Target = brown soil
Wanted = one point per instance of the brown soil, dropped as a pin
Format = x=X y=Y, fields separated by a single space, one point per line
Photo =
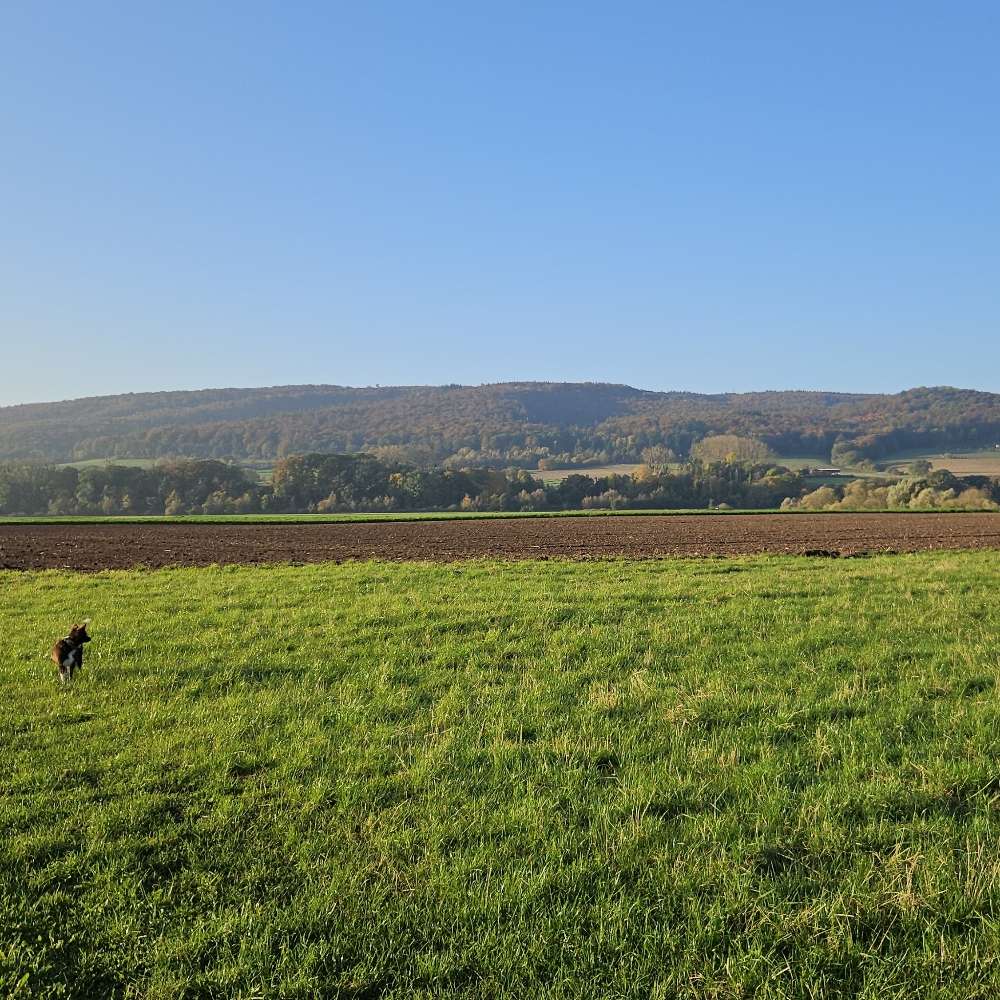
x=118 y=546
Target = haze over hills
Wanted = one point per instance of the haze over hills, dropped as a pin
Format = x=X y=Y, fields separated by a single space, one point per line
x=505 y=424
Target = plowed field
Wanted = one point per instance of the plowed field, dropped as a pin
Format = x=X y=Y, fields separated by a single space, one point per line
x=110 y=546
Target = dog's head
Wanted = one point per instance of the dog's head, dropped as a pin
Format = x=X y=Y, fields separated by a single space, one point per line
x=78 y=634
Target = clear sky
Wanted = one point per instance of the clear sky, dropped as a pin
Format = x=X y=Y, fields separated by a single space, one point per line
x=706 y=196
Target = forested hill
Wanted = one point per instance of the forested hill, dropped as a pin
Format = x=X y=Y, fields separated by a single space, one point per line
x=490 y=425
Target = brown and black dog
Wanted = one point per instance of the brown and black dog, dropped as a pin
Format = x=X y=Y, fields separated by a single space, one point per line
x=67 y=654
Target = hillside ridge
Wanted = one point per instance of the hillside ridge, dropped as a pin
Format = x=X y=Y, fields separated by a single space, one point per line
x=493 y=424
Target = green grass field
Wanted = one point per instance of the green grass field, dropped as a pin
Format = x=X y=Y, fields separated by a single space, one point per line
x=763 y=777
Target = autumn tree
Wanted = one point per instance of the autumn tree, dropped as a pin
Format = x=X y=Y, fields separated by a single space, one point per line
x=658 y=458
x=731 y=448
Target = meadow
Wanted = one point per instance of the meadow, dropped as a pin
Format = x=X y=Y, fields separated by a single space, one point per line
x=756 y=777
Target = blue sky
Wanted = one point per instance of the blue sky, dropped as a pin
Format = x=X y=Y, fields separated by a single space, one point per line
x=710 y=196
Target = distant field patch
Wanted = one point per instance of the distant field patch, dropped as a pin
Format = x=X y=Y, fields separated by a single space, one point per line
x=799 y=462
x=847 y=472
x=89 y=463
x=595 y=472
x=983 y=463
x=796 y=464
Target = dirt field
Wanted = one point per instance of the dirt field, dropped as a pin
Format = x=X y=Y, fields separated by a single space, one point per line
x=95 y=547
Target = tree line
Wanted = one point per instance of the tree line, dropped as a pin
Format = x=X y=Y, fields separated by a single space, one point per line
x=941 y=490
x=331 y=483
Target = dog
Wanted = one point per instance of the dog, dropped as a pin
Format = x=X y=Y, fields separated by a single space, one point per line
x=67 y=654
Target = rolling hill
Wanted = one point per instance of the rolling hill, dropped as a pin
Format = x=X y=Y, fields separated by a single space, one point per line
x=490 y=425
